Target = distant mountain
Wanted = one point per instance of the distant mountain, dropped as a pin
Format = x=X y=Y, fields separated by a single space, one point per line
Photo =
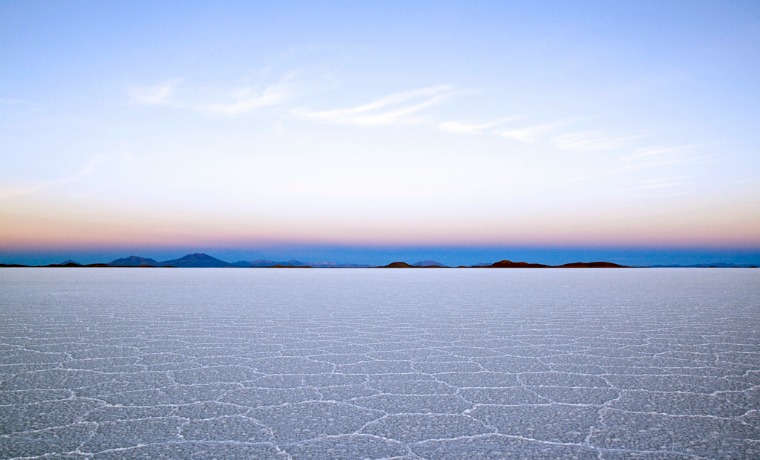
x=397 y=265
x=420 y=264
x=268 y=263
x=337 y=265
x=133 y=261
x=290 y=263
x=591 y=265
x=254 y=263
x=510 y=264
x=428 y=264
x=201 y=260
x=710 y=265
x=265 y=263
x=66 y=263
x=197 y=260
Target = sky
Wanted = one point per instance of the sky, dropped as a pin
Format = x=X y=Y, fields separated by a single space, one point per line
x=367 y=131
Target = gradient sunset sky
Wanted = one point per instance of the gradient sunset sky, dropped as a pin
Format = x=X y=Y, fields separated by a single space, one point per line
x=371 y=131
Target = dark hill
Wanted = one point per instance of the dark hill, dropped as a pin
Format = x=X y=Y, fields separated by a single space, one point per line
x=510 y=264
x=591 y=265
x=268 y=263
x=397 y=265
x=197 y=260
x=66 y=263
x=133 y=261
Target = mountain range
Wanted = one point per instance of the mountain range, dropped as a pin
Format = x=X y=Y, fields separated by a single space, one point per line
x=506 y=264
x=201 y=260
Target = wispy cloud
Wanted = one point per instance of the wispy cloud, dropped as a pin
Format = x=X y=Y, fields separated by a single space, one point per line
x=533 y=133
x=458 y=127
x=216 y=101
x=652 y=152
x=655 y=158
x=628 y=168
x=394 y=109
x=40 y=186
x=250 y=98
x=589 y=141
x=158 y=94
x=661 y=187
x=655 y=163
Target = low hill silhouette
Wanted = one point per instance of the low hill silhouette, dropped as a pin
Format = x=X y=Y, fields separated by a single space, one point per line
x=397 y=265
x=197 y=260
x=66 y=263
x=510 y=264
x=591 y=265
x=202 y=260
x=133 y=261
x=260 y=263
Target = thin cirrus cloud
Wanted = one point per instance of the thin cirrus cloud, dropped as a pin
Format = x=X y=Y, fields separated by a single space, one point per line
x=650 y=184
x=9 y=192
x=402 y=108
x=664 y=186
x=407 y=108
x=662 y=157
x=591 y=141
x=246 y=100
x=215 y=101
x=656 y=152
x=533 y=133
x=159 y=94
x=458 y=127
x=577 y=141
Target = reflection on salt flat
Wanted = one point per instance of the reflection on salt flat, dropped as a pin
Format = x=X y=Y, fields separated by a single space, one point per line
x=612 y=364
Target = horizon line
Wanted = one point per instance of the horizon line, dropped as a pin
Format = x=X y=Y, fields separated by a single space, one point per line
x=142 y=261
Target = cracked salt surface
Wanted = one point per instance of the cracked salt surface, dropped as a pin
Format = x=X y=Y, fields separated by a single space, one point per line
x=407 y=364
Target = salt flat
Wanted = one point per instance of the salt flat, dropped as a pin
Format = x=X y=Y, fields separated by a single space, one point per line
x=362 y=363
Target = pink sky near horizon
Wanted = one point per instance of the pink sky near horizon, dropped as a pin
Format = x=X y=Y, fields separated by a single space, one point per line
x=437 y=124
x=719 y=227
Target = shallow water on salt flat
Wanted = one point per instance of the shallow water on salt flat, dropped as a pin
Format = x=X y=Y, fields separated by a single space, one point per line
x=396 y=363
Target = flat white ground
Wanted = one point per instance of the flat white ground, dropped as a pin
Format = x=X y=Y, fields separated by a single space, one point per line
x=357 y=363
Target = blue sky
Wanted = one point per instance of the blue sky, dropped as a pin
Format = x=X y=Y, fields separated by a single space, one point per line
x=260 y=129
